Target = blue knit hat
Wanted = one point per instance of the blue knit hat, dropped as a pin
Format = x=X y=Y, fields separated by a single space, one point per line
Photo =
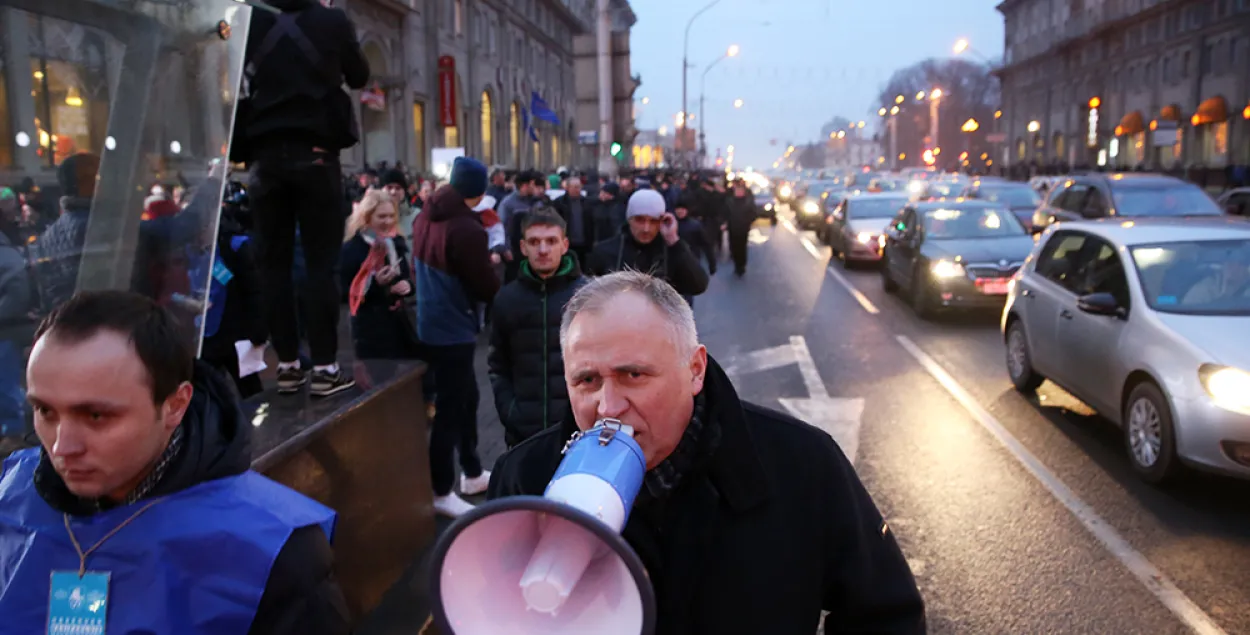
x=468 y=177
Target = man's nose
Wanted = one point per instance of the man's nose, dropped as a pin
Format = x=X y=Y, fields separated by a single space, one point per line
x=69 y=441
x=612 y=402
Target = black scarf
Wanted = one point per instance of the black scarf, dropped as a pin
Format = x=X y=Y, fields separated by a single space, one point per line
x=697 y=446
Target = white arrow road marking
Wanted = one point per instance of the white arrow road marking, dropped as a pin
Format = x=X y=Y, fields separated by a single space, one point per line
x=785 y=222
x=757 y=237
x=840 y=418
x=1137 y=564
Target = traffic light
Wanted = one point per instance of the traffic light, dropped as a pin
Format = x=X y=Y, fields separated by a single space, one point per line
x=616 y=149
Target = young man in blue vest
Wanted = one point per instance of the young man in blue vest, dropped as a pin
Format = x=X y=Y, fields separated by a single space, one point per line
x=139 y=513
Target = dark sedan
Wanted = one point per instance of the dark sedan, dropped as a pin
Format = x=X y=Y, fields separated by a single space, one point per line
x=1021 y=199
x=953 y=254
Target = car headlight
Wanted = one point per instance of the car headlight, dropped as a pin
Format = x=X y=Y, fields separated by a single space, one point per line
x=786 y=191
x=864 y=237
x=946 y=269
x=1228 y=387
x=768 y=207
x=811 y=207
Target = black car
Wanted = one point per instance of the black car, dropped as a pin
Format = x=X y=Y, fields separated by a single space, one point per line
x=810 y=210
x=767 y=205
x=953 y=254
x=1021 y=199
x=1090 y=196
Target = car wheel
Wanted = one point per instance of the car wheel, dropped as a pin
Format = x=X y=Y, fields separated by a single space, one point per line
x=921 y=295
x=1149 y=435
x=887 y=280
x=1020 y=361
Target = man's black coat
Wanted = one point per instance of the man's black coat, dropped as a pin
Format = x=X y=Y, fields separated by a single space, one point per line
x=775 y=529
x=675 y=264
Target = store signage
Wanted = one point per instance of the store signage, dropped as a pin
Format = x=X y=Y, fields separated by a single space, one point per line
x=1092 y=138
x=447 y=91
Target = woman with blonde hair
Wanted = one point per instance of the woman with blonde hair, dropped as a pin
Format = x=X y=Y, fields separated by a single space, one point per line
x=377 y=276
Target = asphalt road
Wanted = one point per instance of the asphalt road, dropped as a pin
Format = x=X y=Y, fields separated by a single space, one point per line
x=1018 y=515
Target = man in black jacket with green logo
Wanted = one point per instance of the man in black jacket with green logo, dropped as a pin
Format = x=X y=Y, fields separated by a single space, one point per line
x=525 y=363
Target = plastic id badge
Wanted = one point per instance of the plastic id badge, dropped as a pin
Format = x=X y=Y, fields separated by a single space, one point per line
x=78 y=606
x=221 y=273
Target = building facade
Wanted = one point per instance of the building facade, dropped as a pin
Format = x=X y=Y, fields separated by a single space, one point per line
x=624 y=85
x=461 y=74
x=1157 y=84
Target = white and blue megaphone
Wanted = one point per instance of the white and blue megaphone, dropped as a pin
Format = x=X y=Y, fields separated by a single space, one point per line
x=554 y=564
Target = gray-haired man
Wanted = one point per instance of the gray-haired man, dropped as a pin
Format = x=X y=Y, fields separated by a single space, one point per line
x=721 y=517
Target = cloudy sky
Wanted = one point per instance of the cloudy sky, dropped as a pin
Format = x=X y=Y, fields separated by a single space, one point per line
x=802 y=62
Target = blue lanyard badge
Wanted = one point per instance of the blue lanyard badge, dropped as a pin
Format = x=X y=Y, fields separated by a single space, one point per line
x=222 y=273
x=78 y=605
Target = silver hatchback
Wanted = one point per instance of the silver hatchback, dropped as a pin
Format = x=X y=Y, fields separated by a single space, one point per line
x=1148 y=322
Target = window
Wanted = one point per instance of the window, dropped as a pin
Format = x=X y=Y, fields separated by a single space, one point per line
x=1103 y=273
x=1060 y=259
x=1185 y=59
x=1073 y=198
x=1215 y=144
x=488 y=128
x=70 y=89
x=418 y=134
x=6 y=132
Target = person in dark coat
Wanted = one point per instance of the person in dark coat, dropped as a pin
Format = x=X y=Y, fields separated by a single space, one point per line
x=608 y=215
x=525 y=365
x=742 y=213
x=578 y=215
x=376 y=275
x=170 y=465
x=732 y=538
x=234 y=292
x=650 y=243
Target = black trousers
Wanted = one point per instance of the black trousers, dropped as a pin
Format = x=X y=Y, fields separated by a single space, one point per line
x=290 y=184
x=455 y=414
x=738 y=249
x=716 y=238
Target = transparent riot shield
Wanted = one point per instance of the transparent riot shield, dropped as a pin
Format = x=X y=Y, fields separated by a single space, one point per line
x=115 y=120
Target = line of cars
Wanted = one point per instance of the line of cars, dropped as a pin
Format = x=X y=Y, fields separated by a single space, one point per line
x=1131 y=292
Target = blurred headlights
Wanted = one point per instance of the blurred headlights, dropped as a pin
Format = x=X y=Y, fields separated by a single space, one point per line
x=811 y=207
x=1228 y=387
x=785 y=191
x=946 y=269
x=768 y=207
x=864 y=237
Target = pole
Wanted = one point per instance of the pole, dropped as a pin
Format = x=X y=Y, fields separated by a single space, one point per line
x=702 y=132
x=685 y=64
x=607 y=162
x=934 y=106
x=893 y=142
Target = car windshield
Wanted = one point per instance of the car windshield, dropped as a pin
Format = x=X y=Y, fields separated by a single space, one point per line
x=1210 y=277
x=945 y=190
x=1012 y=196
x=1167 y=200
x=977 y=222
x=874 y=207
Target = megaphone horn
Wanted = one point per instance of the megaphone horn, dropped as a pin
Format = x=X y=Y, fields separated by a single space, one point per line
x=554 y=564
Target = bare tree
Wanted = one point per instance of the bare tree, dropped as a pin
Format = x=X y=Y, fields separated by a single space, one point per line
x=969 y=91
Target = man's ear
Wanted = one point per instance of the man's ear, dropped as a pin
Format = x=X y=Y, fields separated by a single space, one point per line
x=176 y=406
x=698 y=369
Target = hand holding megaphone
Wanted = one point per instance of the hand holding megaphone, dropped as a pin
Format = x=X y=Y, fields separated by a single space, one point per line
x=554 y=564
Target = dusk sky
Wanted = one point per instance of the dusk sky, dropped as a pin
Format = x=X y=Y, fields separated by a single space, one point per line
x=802 y=62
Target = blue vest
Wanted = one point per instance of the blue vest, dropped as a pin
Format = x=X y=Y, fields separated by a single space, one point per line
x=218 y=276
x=195 y=563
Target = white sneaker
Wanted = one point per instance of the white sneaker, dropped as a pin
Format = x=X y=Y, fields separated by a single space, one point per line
x=452 y=505
x=474 y=486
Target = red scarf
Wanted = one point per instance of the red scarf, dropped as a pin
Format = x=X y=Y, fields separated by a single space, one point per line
x=374 y=262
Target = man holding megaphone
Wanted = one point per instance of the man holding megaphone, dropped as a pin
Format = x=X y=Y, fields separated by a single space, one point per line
x=665 y=504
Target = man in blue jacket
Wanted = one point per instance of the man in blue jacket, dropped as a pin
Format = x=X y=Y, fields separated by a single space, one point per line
x=138 y=512
x=452 y=268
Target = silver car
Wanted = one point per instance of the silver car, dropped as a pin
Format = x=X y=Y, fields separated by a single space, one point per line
x=1148 y=322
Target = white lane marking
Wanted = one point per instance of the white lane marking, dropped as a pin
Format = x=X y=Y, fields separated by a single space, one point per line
x=785 y=222
x=757 y=237
x=840 y=418
x=859 y=295
x=807 y=366
x=811 y=248
x=1150 y=576
x=765 y=359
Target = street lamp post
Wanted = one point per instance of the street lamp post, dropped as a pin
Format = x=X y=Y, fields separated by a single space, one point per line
x=935 y=105
x=732 y=52
x=685 y=64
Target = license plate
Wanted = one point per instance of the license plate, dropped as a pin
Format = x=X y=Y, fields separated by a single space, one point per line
x=993 y=287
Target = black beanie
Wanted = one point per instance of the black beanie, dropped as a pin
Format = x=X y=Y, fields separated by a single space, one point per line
x=77 y=175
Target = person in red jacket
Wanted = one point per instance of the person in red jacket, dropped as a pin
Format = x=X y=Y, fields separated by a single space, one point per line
x=454 y=274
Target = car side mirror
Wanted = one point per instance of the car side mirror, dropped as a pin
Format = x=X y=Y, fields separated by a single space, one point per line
x=1101 y=304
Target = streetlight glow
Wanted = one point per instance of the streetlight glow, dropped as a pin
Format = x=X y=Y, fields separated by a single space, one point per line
x=920 y=96
x=998 y=114
x=881 y=112
x=841 y=134
x=1034 y=126
x=961 y=45
x=936 y=94
x=899 y=99
x=737 y=103
x=861 y=124
x=894 y=110
x=970 y=125
x=646 y=100
x=730 y=149
x=733 y=50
